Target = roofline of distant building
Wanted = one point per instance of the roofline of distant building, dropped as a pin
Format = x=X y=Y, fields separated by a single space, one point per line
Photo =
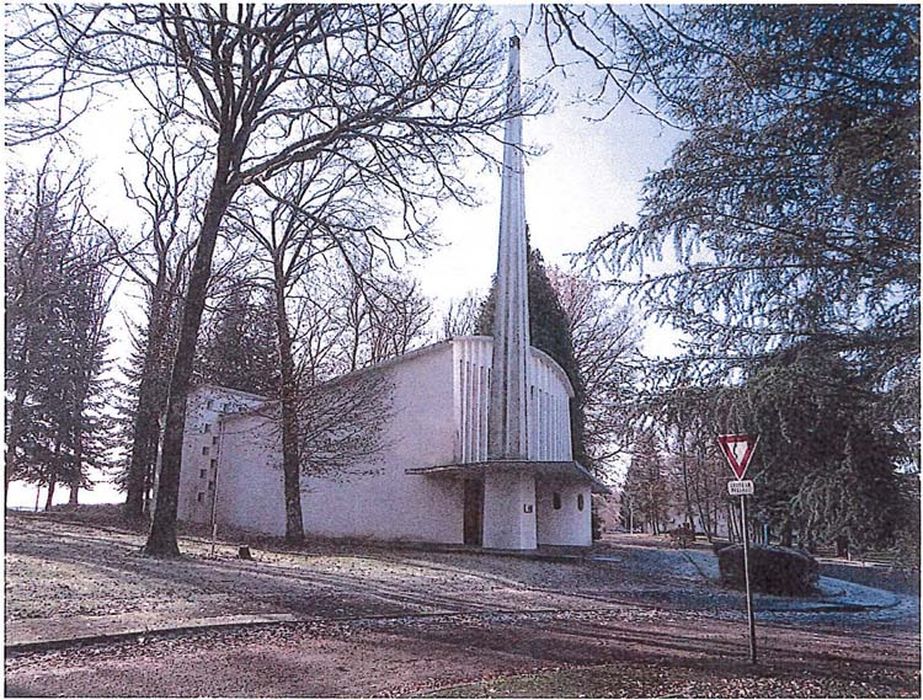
x=210 y=385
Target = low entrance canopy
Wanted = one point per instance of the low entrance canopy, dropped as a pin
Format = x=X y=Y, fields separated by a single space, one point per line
x=567 y=471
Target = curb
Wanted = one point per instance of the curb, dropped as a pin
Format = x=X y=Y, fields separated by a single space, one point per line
x=17 y=648
x=105 y=637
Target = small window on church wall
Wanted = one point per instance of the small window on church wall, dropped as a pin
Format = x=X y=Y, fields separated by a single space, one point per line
x=207 y=428
x=205 y=450
x=214 y=464
x=579 y=501
x=208 y=404
x=211 y=485
x=201 y=473
x=556 y=501
x=200 y=496
x=215 y=440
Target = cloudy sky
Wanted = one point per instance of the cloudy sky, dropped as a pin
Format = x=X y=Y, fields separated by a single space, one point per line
x=586 y=180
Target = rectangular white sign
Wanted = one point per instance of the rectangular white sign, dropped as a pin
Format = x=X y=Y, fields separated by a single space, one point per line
x=740 y=488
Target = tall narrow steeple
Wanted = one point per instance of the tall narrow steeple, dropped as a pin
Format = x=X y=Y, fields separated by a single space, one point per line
x=506 y=432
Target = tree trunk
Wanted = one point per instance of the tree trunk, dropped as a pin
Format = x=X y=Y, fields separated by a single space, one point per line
x=732 y=524
x=49 y=497
x=11 y=464
x=78 y=450
x=294 y=526
x=53 y=473
x=786 y=537
x=161 y=540
x=146 y=428
x=682 y=457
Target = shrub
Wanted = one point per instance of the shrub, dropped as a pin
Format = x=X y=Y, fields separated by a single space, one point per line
x=773 y=570
x=683 y=536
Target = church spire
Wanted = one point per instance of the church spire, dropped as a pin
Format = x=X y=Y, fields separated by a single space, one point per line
x=506 y=436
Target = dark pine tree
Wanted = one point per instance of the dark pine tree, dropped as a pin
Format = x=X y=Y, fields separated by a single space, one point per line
x=237 y=349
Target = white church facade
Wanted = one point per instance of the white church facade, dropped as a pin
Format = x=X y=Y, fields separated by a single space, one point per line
x=475 y=447
x=428 y=482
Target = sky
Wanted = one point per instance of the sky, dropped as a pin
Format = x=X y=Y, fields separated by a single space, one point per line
x=587 y=179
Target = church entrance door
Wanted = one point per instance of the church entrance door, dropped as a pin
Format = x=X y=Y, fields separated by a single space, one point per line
x=474 y=509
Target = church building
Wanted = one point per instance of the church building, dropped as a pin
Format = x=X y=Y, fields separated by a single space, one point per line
x=474 y=446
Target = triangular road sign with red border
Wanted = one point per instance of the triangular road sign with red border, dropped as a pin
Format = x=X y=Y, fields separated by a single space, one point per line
x=738 y=451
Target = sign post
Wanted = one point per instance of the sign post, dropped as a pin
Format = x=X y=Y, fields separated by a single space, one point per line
x=738 y=451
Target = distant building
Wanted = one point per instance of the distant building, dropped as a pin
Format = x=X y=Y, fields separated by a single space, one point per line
x=474 y=446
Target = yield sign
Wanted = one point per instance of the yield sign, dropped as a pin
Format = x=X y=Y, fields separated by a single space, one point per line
x=738 y=450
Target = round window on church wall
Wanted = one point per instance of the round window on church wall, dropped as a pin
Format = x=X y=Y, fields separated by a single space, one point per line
x=579 y=501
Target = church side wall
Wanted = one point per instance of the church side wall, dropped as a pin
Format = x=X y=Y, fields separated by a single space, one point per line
x=201 y=448
x=390 y=504
x=250 y=491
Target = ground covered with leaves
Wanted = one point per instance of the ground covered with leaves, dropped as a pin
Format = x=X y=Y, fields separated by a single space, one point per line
x=379 y=621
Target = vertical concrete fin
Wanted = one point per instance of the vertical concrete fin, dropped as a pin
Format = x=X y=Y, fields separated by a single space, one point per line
x=507 y=431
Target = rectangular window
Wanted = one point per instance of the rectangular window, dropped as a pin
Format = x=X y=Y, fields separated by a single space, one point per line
x=211 y=485
x=207 y=428
x=201 y=473
x=208 y=404
x=205 y=450
x=200 y=496
x=214 y=464
x=215 y=440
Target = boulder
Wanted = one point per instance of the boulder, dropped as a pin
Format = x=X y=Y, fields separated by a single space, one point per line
x=773 y=570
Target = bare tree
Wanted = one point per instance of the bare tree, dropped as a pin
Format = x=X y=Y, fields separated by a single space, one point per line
x=341 y=424
x=605 y=336
x=402 y=92
x=157 y=254
x=461 y=318
x=319 y=215
x=386 y=316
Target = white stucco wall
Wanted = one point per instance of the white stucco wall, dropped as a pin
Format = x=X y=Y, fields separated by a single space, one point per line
x=509 y=510
x=386 y=505
x=392 y=505
x=436 y=415
x=250 y=490
x=567 y=525
x=202 y=447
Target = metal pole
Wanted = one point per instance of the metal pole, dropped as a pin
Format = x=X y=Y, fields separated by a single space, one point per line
x=750 y=622
x=215 y=489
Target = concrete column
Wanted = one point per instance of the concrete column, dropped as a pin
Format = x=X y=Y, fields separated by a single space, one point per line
x=509 y=510
x=507 y=429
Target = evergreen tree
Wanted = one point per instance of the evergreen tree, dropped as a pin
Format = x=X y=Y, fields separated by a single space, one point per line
x=237 y=348
x=146 y=373
x=825 y=467
x=56 y=302
x=646 y=489
x=793 y=205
